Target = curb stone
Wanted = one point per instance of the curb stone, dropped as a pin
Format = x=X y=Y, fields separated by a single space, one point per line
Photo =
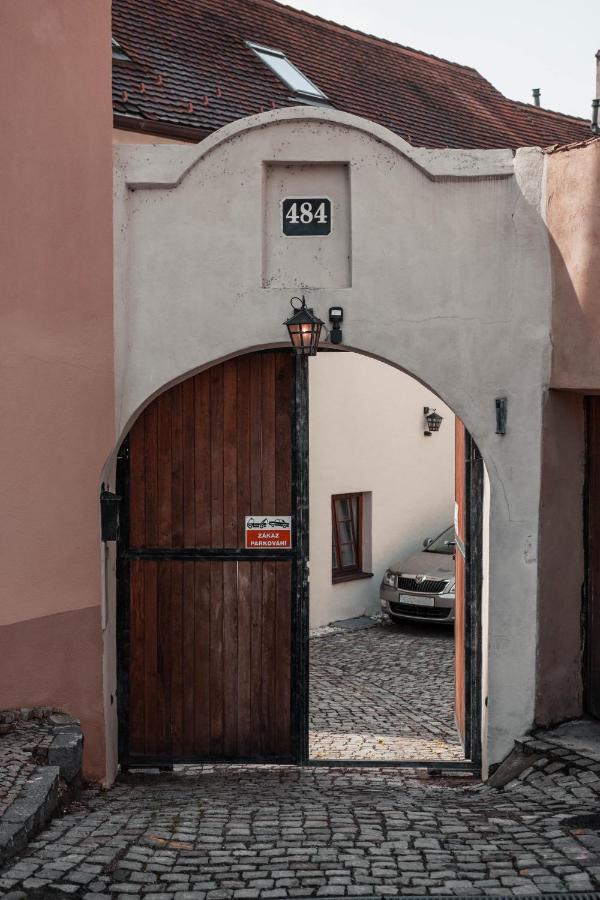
x=29 y=812
x=41 y=793
x=66 y=751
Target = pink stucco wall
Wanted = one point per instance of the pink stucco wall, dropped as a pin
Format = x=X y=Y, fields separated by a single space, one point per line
x=573 y=219
x=559 y=683
x=56 y=353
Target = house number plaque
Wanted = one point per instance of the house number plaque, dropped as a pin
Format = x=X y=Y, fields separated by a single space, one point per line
x=306 y=215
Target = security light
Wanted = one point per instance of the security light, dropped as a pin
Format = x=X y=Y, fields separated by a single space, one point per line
x=336 y=315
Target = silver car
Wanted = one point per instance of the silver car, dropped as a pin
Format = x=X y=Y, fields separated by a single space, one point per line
x=422 y=587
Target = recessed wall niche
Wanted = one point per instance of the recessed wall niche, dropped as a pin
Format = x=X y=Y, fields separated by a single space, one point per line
x=318 y=252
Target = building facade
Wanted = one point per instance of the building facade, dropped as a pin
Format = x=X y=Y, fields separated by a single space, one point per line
x=462 y=268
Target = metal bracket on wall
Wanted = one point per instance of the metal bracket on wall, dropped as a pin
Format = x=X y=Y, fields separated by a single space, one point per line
x=109 y=514
x=501 y=414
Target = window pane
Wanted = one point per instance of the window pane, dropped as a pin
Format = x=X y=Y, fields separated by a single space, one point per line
x=355 y=513
x=346 y=541
x=289 y=74
x=343 y=509
x=444 y=543
x=346 y=535
x=348 y=555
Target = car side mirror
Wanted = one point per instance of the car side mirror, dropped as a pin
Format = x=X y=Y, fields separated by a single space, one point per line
x=427 y=542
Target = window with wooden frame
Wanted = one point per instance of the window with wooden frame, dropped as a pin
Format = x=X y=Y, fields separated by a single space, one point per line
x=347 y=517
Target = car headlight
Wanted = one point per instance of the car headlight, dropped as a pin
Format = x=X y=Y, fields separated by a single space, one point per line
x=389 y=578
x=450 y=588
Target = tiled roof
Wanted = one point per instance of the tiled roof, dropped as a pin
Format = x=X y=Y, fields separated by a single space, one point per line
x=190 y=67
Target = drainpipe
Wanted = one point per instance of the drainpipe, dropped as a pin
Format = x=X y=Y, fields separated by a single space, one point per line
x=536 y=95
x=596 y=102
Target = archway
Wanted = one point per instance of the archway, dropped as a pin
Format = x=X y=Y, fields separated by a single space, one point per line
x=439 y=259
x=212 y=630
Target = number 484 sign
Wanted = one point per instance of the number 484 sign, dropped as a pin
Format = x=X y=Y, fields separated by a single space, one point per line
x=305 y=215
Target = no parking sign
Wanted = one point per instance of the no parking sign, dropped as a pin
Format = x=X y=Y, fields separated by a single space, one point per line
x=268 y=532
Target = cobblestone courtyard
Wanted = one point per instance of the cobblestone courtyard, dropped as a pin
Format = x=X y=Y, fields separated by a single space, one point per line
x=269 y=832
x=385 y=692
x=276 y=832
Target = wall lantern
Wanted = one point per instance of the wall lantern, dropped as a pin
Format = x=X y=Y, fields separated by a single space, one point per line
x=304 y=328
x=433 y=420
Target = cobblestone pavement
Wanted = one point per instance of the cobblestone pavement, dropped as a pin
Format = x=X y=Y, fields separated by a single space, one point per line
x=385 y=692
x=274 y=832
x=20 y=750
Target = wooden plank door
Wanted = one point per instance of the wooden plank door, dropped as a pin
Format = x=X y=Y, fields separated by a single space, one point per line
x=592 y=605
x=460 y=509
x=208 y=624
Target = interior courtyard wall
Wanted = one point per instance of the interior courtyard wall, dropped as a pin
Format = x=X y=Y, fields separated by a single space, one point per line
x=449 y=280
x=367 y=435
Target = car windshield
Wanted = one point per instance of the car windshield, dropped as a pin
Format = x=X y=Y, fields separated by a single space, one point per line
x=443 y=543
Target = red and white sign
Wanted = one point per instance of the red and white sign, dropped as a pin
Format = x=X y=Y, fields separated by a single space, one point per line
x=268 y=532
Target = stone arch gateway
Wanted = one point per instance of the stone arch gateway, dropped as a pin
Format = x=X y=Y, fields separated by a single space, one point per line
x=440 y=261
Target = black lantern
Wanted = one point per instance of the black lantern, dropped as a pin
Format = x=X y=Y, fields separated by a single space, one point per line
x=433 y=419
x=304 y=328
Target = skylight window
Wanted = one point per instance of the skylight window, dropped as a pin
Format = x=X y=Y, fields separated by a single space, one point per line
x=117 y=50
x=287 y=72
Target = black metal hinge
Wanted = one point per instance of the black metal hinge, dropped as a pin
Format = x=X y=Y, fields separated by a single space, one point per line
x=109 y=514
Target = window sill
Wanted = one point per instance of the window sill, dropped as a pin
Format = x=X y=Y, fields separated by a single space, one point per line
x=351 y=576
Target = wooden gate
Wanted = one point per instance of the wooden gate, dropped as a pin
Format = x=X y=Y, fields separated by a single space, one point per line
x=591 y=681
x=460 y=699
x=205 y=626
x=469 y=535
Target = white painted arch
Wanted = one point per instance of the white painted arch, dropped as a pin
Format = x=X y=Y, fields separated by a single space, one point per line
x=450 y=282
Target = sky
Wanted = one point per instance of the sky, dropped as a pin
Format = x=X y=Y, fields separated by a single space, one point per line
x=516 y=44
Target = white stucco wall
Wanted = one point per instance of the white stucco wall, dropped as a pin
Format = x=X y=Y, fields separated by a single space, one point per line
x=450 y=280
x=366 y=434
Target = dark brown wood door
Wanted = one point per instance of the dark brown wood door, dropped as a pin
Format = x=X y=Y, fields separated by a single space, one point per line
x=208 y=669
x=592 y=612
x=460 y=495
